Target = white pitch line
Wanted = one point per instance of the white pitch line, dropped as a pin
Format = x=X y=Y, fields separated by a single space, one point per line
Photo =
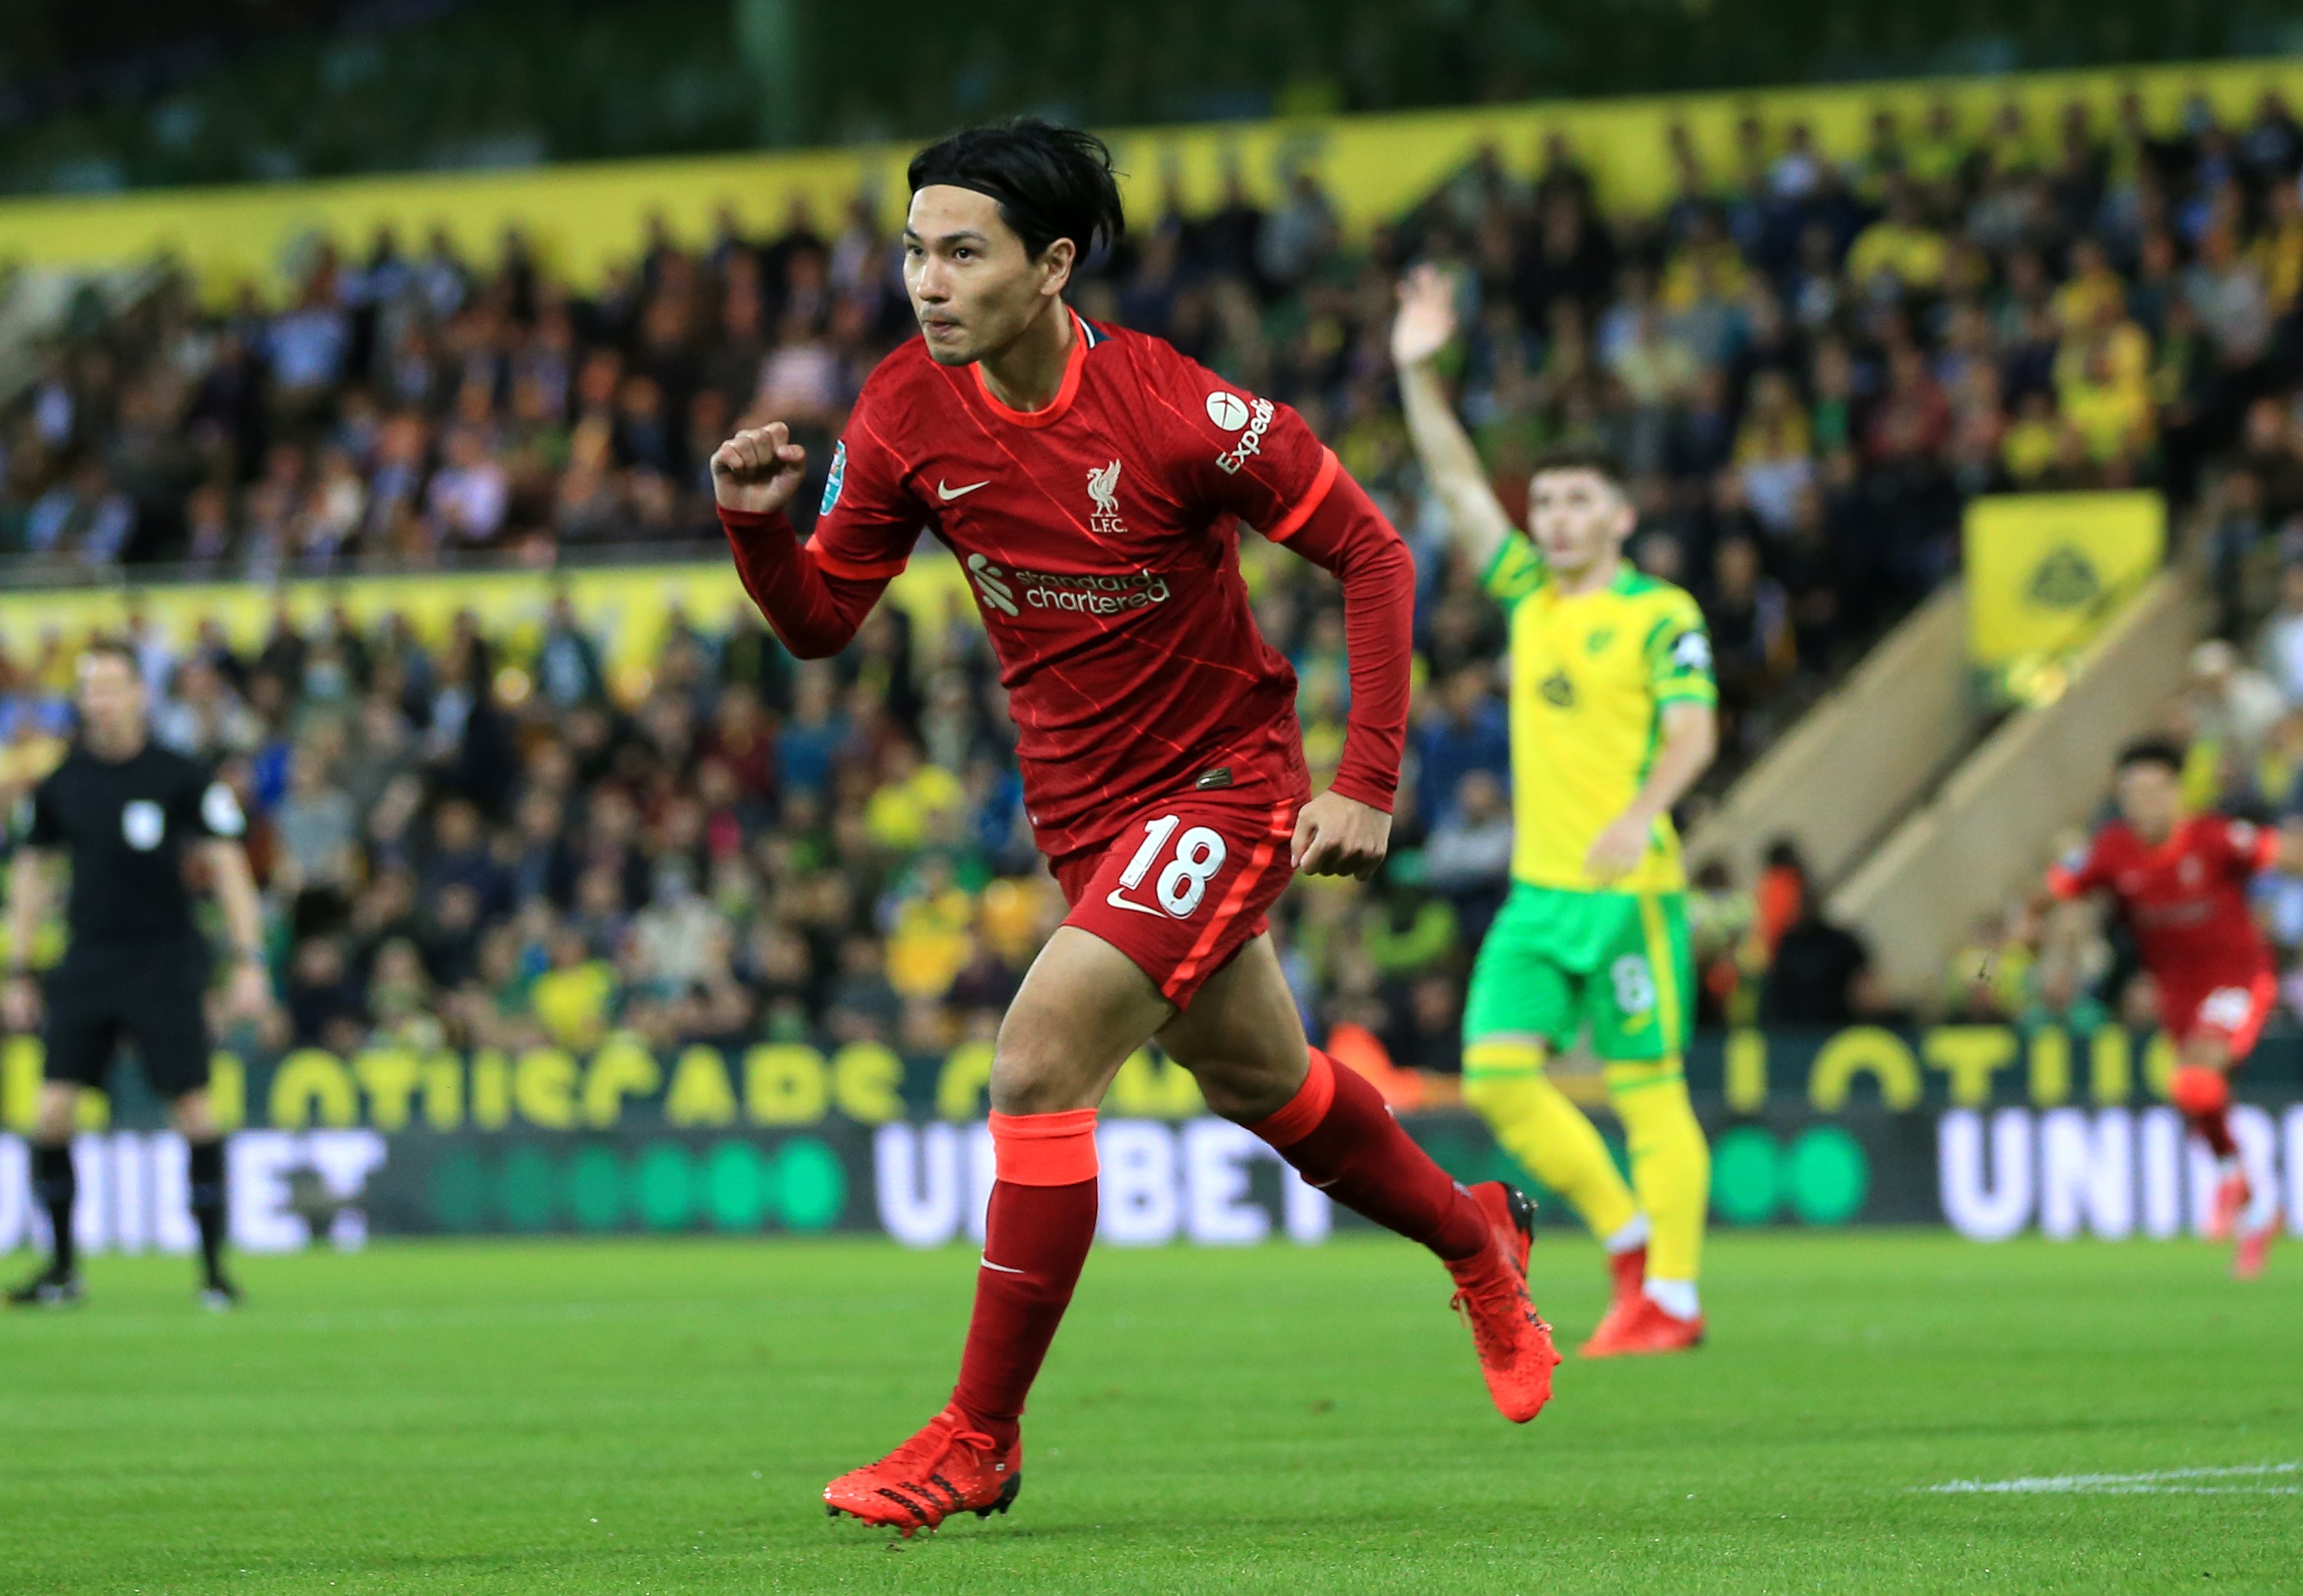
x=2162 y=1481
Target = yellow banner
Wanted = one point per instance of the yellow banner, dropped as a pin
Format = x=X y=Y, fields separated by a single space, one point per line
x=586 y=220
x=2045 y=571
x=627 y=609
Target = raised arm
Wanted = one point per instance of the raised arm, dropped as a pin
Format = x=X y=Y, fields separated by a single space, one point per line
x=813 y=604
x=1425 y=326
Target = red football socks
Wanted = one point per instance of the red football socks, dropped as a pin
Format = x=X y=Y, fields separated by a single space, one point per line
x=2204 y=1097
x=1036 y=1241
x=1337 y=1131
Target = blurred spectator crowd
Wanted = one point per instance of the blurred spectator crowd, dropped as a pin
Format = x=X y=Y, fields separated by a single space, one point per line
x=1809 y=364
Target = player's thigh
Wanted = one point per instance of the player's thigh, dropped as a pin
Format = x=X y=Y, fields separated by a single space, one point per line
x=1185 y=885
x=2220 y=1028
x=1636 y=998
x=1241 y=1036
x=1084 y=1006
x=1523 y=998
x=169 y=1026
x=80 y=1027
x=59 y=1110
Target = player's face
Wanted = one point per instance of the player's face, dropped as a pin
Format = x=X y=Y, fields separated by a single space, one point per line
x=111 y=698
x=972 y=286
x=2149 y=798
x=1578 y=519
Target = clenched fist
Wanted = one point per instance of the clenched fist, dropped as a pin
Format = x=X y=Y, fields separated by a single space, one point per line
x=759 y=469
x=1340 y=836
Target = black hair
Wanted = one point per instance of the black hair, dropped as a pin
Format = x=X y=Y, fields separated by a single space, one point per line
x=2153 y=750
x=1051 y=182
x=1576 y=454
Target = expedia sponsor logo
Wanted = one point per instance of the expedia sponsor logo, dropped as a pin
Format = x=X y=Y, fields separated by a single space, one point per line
x=1012 y=592
x=1250 y=442
x=1227 y=409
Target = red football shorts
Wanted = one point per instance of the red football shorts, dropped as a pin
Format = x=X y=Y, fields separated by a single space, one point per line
x=2234 y=1011
x=1187 y=883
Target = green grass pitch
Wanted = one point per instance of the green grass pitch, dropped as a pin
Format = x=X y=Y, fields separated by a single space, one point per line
x=648 y=1417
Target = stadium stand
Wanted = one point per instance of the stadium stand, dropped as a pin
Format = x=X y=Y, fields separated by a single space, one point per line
x=1811 y=365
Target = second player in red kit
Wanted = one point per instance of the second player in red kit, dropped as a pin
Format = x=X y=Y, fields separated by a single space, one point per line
x=1091 y=483
x=2181 y=882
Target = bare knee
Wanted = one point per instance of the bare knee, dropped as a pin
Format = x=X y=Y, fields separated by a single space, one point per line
x=195 y=1118
x=1035 y=1069
x=59 y=1106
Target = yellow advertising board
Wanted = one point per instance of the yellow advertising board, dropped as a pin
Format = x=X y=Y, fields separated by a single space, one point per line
x=588 y=220
x=2045 y=571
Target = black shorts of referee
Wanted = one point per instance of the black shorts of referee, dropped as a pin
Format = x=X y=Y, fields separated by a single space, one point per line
x=151 y=997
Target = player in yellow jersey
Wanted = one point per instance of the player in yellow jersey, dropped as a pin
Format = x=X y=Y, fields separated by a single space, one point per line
x=1612 y=717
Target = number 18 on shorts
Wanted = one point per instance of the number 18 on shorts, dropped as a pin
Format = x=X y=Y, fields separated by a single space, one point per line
x=1185 y=885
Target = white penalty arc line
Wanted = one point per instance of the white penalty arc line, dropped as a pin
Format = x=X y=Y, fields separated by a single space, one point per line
x=2170 y=1481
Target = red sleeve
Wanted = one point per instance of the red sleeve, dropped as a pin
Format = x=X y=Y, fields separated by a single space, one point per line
x=1344 y=532
x=1255 y=458
x=2079 y=873
x=2247 y=848
x=812 y=608
x=869 y=520
x=815 y=597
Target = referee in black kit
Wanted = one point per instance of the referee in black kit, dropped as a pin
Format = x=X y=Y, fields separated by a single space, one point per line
x=123 y=811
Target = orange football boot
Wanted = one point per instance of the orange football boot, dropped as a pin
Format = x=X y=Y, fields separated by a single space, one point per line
x=1513 y=1343
x=1648 y=1329
x=1630 y=1269
x=2247 y=1261
x=946 y=1468
x=2233 y=1195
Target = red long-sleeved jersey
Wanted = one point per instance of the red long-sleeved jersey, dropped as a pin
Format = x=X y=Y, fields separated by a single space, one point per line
x=1100 y=537
x=2184 y=898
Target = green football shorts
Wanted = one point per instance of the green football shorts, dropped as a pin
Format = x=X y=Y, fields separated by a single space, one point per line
x=1555 y=961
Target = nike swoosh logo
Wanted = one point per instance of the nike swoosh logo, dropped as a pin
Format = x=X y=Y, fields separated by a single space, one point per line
x=1117 y=901
x=1002 y=1268
x=948 y=494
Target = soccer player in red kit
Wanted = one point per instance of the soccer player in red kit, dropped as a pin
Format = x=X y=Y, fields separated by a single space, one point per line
x=2181 y=881
x=1091 y=481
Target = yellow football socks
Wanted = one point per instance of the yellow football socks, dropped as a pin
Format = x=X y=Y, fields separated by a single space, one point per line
x=1550 y=1136
x=1671 y=1162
